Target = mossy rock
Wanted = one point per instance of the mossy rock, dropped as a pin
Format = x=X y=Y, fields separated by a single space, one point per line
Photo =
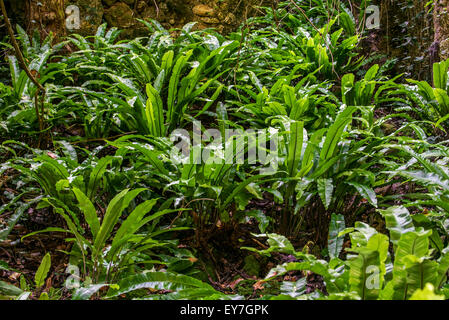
x=246 y=288
x=252 y=266
x=120 y=16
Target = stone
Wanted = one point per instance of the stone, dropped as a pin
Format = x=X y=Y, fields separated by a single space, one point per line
x=120 y=16
x=230 y=19
x=141 y=6
x=251 y=266
x=224 y=6
x=109 y=2
x=163 y=6
x=203 y=11
x=210 y=20
x=49 y=16
x=200 y=26
x=220 y=28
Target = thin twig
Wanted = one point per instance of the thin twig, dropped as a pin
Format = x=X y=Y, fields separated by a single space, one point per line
x=23 y=65
x=157 y=7
x=317 y=30
x=19 y=54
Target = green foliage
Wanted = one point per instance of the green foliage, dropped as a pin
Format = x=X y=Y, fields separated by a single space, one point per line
x=42 y=271
x=352 y=144
x=370 y=272
x=126 y=244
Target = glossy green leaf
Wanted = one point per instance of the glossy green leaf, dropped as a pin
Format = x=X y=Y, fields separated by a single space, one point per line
x=42 y=271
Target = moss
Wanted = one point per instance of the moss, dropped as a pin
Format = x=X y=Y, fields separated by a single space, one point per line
x=252 y=266
x=246 y=288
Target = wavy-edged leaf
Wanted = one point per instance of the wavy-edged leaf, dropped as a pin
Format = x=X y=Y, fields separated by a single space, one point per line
x=335 y=132
x=295 y=147
x=158 y=281
x=112 y=215
x=334 y=242
x=9 y=290
x=85 y=293
x=88 y=209
x=362 y=275
x=365 y=191
x=325 y=190
x=398 y=221
x=42 y=271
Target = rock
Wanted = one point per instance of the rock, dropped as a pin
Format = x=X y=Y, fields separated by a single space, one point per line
x=251 y=266
x=141 y=6
x=109 y=2
x=220 y=28
x=203 y=11
x=230 y=19
x=49 y=16
x=177 y=6
x=224 y=6
x=163 y=6
x=210 y=20
x=200 y=26
x=120 y=16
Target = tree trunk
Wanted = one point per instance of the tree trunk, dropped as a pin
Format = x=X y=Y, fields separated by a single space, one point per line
x=46 y=16
x=441 y=27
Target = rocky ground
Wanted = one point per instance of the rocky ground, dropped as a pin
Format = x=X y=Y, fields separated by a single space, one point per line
x=50 y=15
